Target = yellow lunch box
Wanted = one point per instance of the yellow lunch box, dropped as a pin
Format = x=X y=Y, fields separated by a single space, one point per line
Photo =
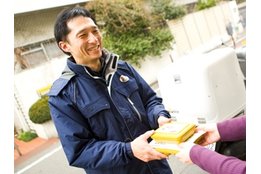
x=174 y=132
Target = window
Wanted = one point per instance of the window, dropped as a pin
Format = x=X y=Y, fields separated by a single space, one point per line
x=32 y=55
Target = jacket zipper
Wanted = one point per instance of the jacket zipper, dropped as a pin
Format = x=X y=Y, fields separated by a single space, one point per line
x=135 y=109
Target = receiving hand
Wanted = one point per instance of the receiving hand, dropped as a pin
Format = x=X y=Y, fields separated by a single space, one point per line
x=143 y=151
x=211 y=135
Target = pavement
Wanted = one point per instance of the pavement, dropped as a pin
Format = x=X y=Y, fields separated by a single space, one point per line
x=42 y=156
x=23 y=151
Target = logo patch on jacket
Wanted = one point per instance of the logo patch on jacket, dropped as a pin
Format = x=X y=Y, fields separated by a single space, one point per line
x=124 y=78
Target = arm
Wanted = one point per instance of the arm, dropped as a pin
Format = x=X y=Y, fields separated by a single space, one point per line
x=209 y=160
x=216 y=163
x=232 y=129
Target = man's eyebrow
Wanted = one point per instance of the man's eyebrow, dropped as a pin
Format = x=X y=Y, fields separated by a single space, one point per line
x=84 y=29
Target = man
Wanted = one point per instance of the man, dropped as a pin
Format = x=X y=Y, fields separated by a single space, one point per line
x=103 y=110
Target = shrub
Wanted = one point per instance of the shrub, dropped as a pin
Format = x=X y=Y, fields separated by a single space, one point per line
x=39 y=112
x=27 y=136
x=168 y=9
x=202 y=4
x=240 y=1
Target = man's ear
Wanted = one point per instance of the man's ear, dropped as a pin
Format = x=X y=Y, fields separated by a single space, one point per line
x=64 y=46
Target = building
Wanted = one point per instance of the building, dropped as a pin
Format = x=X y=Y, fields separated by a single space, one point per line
x=36 y=55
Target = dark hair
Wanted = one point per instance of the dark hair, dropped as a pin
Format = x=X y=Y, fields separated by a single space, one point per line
x=61 y=29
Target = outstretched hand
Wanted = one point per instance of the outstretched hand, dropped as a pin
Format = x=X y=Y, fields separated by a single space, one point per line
x=143 y=151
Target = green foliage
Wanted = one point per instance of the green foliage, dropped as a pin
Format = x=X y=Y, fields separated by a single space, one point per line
x=203 y=4
x=168 y=9
x=134 y=48
x=240 y=1
x=27 y=136
x=39 y=112
x=119 y=16
x=129 y=30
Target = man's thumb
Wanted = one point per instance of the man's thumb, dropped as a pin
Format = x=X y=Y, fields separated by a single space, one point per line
x=148 y=134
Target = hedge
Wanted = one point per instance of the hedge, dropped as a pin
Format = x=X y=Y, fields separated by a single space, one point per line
x=39 y=112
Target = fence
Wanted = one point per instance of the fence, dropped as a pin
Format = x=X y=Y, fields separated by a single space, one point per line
x=205 y=29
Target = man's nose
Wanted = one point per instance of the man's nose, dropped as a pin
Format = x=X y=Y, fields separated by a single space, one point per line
x=92 y=38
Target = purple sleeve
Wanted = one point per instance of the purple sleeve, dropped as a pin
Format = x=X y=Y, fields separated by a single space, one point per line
x=232 y=129
x=215 y=163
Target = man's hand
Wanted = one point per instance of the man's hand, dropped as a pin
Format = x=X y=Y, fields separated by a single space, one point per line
x=163 y=120
x=143 y=151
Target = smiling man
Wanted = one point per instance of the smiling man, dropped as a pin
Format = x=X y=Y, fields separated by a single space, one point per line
x=83 y=42
x=103 y=110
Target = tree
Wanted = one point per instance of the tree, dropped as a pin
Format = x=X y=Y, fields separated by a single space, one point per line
x=130 y=30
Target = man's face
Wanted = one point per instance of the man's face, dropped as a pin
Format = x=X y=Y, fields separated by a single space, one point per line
x=83 y=41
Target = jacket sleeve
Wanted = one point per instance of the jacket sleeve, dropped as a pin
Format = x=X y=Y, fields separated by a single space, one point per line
x=215 y=163
x=152 y=103
x=232 y=129
x=79 y=144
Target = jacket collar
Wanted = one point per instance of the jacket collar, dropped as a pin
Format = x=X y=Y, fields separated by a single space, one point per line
x=110 y=65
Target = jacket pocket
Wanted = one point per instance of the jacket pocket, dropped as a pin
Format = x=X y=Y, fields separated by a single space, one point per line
x=127 y=88
x=129 y=101
x=93 y=108
x=96 y=113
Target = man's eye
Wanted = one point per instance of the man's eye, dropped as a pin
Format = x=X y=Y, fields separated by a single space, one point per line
x=83 y=35
x=96 y=31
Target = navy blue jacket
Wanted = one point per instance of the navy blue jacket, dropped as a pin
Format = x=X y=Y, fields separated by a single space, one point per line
x=97 y=117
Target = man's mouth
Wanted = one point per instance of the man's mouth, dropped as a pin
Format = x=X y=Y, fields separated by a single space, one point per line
x=94 y=48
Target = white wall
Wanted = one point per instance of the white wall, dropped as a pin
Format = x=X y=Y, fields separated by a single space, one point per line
x=150 y=66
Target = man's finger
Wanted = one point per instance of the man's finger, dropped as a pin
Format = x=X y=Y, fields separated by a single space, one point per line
x=147 y=134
